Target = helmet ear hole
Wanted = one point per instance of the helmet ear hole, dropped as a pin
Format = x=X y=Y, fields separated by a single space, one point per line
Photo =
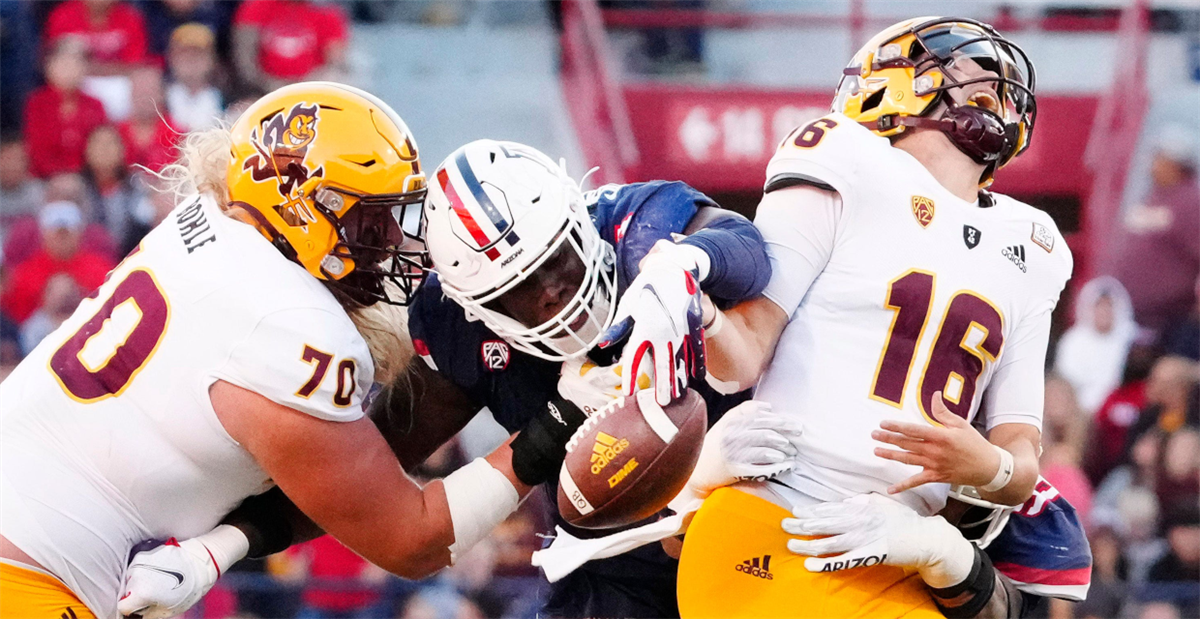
x=874 y=100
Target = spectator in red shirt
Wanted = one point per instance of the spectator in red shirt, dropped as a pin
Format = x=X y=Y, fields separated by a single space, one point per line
x=149 y=133
x=114 y=31
x=58 y=117
x=61 y=226
x=276 y=42
x=1156 y=252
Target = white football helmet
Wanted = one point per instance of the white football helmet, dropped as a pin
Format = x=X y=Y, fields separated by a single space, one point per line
x=495 y=212
x=993 y=522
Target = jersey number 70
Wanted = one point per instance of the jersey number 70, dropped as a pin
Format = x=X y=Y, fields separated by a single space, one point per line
x=970 y=335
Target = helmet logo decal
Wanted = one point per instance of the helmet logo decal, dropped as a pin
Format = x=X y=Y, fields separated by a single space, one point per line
x=474 y=208
x=922 y=209
x=282 y=147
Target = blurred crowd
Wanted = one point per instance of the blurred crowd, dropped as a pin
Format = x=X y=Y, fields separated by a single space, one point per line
x=1122 y=417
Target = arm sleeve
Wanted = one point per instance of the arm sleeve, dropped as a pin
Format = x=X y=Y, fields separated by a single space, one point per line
x=307 y=359
x=1017 y=389
x=739 y=267
x=799 y=226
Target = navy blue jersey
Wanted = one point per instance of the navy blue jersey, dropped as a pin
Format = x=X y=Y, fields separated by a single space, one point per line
x=515 y=385
x=1043 y=547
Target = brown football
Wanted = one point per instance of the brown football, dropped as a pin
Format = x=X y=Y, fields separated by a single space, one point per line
x=629 y=459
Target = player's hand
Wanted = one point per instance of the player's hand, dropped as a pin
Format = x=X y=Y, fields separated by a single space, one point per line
x=661 y=313
x=953 y=452
x=750 y=442
x=590 y=386
x=869 y=530
x=539 y=448
x=169 y=579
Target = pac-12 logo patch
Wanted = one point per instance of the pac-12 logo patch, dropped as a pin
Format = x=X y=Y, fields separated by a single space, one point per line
x=922 y=209
x=495 y=355
x=971 y=236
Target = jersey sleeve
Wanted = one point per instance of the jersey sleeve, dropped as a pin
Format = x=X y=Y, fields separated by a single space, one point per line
x=799 y=226
x=1017 y=390
x=632 y=218
x=308 y=359
x=824 y=153
x=1043 y=548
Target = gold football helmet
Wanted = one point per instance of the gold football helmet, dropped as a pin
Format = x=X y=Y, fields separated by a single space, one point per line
x=902 y=74
x=331 y=176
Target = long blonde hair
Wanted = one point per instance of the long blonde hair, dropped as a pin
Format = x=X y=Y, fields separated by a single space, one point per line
x=204 y=158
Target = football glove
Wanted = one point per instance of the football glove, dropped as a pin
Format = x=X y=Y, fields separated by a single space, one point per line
x=870 y=529
x=748 y=443
x=169 y=579
x=662 y=317
x=539 y=449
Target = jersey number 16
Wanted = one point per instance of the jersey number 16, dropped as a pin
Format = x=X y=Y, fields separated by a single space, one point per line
x=970 y=335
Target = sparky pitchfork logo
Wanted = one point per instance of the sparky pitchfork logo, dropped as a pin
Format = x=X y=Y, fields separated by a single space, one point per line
x=282 y=142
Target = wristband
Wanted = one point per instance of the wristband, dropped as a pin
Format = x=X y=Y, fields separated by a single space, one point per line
x=1004 y=474
x=714 y=326
x=479 y=498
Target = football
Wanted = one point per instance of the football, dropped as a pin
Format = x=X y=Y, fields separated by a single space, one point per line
x=628 y=460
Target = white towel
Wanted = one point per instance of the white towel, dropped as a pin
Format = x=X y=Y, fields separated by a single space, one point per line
x=567 y=552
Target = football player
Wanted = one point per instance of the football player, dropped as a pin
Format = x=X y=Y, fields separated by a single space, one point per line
x=528 y=274
x=222 y=357
x=904 y=297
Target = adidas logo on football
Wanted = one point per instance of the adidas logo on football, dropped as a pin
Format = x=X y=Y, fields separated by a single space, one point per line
x=1016 y=255
x=605 y=449
x=752 y=567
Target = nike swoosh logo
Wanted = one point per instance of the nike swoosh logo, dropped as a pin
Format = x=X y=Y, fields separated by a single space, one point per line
x=663 y=305
x=176 y=575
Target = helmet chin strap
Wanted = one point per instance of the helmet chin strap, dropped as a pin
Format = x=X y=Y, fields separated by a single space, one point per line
x=980 y=134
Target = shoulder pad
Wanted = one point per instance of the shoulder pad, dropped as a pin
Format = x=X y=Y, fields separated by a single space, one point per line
x=828 y=152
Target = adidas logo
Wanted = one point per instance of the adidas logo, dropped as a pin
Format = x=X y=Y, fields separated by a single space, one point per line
x=605 y=449
x=752 y=567
x=1016 y=255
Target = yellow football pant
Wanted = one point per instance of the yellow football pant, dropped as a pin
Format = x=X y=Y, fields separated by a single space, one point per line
x=29 y=594
x=735 y=563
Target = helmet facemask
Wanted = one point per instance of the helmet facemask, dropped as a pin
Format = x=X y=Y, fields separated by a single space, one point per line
x=988 y=130
x=380 y=236
x=984 y=520
x=579 y=325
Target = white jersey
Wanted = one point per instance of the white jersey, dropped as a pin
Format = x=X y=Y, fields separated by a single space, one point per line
x=108 y=431
x=896 y=289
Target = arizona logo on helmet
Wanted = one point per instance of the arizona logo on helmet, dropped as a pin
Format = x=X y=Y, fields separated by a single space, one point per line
x=486 y=225
x=282 y=146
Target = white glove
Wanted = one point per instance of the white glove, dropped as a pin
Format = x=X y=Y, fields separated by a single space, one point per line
x=870 y=530
x=592 y=387
x=661 y=313
x=170 y=579
x=749 y=443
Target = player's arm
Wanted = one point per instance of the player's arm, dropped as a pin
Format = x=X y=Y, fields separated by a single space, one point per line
x=419 y=412
x=798 y=224
x=345 y=477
